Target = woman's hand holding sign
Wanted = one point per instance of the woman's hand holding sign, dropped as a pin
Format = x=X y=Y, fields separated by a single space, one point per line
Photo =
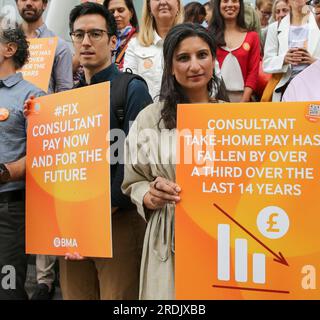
x=162 y=192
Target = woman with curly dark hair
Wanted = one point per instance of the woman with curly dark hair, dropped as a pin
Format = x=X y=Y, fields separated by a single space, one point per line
x=14 y=91
x=13 y=34
x=188 y=77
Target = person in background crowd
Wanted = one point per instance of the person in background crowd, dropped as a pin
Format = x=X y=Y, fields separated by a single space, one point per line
x=280 y=9
x=315 y=4
x=264 y=11
x=291 y=45
x=251 y=17
x=14 y=53
x=144 y=55
x=188 y=77
x=127 y=26
x=194 y=12
x=209 y=11
x=305 y=86
x=93 y=31
x=31 y=11
x=238 y=50
x=61 y=79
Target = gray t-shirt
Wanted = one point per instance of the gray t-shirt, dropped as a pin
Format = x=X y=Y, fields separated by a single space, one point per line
x=14 y=91
x=61 y=76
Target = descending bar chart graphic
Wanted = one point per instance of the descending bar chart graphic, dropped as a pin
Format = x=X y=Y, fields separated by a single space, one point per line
x=241 y=259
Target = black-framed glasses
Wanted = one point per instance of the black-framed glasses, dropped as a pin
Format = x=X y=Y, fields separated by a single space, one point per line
x=94 y=35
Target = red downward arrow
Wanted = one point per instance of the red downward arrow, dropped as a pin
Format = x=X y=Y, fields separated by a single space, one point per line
x=278 y=257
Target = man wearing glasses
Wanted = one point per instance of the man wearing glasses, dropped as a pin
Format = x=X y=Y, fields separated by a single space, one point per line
x=14 y=91
x=93 y=31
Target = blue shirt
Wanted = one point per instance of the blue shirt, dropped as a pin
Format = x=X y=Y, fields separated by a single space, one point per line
x=14 y=91
x=61 y=76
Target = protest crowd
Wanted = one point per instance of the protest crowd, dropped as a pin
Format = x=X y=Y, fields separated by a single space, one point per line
x=172 y=53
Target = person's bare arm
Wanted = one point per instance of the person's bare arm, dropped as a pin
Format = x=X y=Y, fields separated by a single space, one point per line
x=17 y=169
x=246 y=97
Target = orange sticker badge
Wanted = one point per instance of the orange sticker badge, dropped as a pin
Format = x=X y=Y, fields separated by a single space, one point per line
x=250 y=183
x=148 y=63
x=246 y=46
x=4 y=114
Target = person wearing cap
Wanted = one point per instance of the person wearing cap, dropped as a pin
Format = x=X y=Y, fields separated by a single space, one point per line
x=14 y=91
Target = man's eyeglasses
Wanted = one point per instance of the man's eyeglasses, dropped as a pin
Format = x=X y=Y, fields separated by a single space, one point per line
x=94 y=35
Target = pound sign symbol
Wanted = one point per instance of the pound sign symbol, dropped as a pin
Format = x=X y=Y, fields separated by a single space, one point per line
x=271 y=223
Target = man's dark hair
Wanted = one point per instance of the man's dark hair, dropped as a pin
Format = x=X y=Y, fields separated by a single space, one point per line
x=11 y=32
x=129 y=3
x=93 y=8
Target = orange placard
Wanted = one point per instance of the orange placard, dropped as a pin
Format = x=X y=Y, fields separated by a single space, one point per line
x=38 y=69
x=68 y=205
x=248 y=223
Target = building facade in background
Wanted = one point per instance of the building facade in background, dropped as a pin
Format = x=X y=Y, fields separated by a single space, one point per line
x=57 y=14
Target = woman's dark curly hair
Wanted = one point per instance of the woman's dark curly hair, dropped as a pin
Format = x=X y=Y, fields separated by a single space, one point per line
x=11 y=32
x=171 y=92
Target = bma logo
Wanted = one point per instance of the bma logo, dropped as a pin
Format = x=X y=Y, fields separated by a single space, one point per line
x=65 y=243
x=8 y=275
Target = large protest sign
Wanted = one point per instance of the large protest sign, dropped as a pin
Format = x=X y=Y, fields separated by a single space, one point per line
x=68 y=175
x=248 y=223
x=39 y=67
